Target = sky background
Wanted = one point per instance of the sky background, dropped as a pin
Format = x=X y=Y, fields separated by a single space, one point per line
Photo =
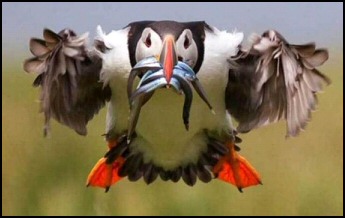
x=298 y=22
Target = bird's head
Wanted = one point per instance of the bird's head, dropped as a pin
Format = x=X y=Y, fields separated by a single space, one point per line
x=169 y=42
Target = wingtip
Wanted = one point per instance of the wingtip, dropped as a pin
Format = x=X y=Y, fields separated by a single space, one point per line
x=100 y=33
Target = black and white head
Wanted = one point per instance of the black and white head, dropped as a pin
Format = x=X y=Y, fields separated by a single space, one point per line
x=169 y=41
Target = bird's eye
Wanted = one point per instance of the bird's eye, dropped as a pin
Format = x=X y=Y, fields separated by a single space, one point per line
x=148 y=40
x=186 y=42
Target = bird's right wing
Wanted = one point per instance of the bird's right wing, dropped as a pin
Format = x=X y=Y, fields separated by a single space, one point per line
x=71 y=91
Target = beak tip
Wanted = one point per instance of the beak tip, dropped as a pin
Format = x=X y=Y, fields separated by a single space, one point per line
x=168 y=82
x=168 y=57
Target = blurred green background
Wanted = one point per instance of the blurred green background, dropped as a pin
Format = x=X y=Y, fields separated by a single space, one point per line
x=301 y=176
x=46 y=176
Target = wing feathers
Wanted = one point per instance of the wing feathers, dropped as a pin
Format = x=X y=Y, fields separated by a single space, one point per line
x=69 y=77
x=274 y=80
x=38 y=47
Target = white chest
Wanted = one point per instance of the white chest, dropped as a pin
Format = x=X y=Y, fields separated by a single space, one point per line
x=162 y=137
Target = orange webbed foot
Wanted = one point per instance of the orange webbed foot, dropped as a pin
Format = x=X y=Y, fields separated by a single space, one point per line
x=235 y=169
x=105 y=172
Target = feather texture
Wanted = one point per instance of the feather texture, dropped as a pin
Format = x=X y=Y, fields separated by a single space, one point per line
x=275 y=80
x=69 y=77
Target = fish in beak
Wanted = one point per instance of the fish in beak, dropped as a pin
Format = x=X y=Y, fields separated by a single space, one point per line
x=168 y=57
x=162 y=72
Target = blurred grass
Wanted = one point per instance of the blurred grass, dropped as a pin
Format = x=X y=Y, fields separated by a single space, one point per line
x=301 y=176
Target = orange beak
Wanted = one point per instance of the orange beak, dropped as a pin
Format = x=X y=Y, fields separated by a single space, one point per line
x=168 y=57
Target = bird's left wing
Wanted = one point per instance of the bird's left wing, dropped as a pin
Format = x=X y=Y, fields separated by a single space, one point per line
x=274 y=80
x=68 y=74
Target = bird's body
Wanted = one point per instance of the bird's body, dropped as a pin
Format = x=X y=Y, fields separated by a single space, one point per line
x=160 y=144
x=269 y=81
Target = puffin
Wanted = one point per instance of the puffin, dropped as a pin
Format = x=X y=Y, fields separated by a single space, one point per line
x=150 y=72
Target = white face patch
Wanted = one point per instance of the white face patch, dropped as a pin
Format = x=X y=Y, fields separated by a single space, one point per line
x=186 y=48
x=149 y=44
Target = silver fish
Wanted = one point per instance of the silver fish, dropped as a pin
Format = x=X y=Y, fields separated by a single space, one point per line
x=183 y=79
x=137 y=100
x=143 y=66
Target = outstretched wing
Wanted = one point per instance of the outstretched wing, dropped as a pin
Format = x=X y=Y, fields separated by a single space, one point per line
x=69 y=78
x=275 y=80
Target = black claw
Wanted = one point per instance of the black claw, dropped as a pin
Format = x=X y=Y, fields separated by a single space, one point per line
x=189 y=174
x=107 y=189
x=240 y=189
